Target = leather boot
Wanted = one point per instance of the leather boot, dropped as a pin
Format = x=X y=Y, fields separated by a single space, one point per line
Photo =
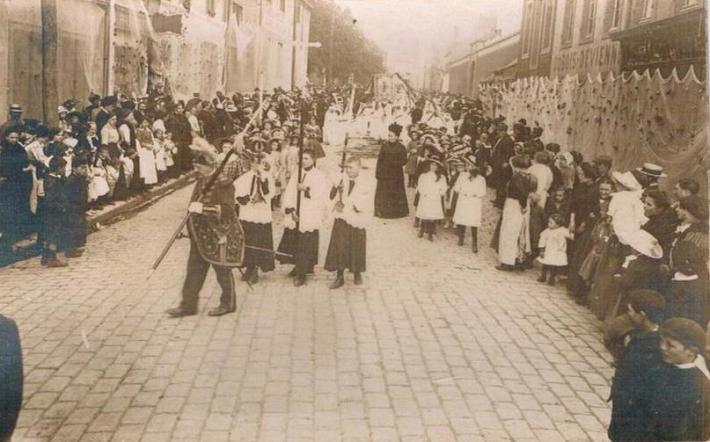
x=339 y=281
x=299 y=280
x=254 y=276
x=474 y=239
x=460 y=231
x=358 y=278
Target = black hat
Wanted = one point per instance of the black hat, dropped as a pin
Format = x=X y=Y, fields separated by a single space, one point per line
x=42 y=131
x=108 y=101
x=395 y=128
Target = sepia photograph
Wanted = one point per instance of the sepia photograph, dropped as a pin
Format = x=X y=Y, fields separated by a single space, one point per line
x=354 y=220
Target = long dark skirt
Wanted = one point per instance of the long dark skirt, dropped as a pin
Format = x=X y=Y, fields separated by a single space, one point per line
x=581 y=247
x=347 y=249
x=604 y=288
x=120 y=192
x=258 y=235
x=391 y=199
x=303 y=246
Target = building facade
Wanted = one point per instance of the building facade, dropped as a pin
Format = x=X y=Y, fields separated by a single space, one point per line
x=467 y=66
x=581 y=43
x=661 y=34
x=191 y=46
x=537 y=32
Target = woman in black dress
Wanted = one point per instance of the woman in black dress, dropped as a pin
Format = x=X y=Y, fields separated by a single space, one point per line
x=390 y=197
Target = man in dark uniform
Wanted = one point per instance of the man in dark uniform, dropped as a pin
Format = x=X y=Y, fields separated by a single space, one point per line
x=417 y=113
x=212 y=224
x=15 y=119
x=503 y=151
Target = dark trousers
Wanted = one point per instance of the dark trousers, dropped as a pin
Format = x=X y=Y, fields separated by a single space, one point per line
x=197 y=269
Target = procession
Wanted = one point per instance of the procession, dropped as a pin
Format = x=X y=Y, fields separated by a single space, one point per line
x=365 y=252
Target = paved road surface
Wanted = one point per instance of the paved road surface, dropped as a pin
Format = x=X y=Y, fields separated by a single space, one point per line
x=436 y=345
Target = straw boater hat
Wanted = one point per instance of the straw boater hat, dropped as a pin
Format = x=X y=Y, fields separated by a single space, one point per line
x=627 y=179
x=652 y=170
x=644 y=243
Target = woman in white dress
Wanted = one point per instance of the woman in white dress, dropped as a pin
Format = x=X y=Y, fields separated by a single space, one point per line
x=431 y=189
x=469 y=190
x=146 y=157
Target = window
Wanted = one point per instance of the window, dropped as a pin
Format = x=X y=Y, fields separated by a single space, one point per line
x=535 y=34
x=688 y=3
x=616 y=13
x=588 y=18
x=123 y=22
x=529 y=23
x=568 y=23
x=548 y=29
x=649 y=9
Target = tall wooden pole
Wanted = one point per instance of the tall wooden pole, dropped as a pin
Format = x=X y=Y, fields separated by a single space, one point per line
x=4 y=58
x=50 y=99
x=330 y=44
x=302 y=109
x=260 y=61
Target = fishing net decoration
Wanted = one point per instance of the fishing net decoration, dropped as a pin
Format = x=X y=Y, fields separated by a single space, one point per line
x=634 y=118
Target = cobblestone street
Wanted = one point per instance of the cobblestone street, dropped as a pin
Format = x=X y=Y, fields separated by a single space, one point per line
x=436 y=345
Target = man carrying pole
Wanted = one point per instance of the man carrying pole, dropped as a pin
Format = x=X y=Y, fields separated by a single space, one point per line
x=348 y=241
x=216 y=237
x=305 y=204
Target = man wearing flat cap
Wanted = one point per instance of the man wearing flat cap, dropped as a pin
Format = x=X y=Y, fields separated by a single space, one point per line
x=14 y=118
x=216 y=238
x=679 y=407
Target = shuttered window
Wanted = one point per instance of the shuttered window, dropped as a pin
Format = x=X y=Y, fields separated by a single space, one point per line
x=548 y=29
x=589 y=17
x=568 y=23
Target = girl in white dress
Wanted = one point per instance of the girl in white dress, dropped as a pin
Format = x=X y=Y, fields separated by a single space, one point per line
x=431 y=189
x=469 y=190
x=553 y=248
x=160 y=156
x=146 y=157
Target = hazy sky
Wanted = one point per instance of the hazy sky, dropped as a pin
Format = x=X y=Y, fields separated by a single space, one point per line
x=407 y=29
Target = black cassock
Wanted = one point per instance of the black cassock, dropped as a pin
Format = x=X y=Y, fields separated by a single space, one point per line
x=390 y=197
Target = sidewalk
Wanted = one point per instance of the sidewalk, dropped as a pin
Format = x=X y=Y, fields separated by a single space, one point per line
x=112 y=213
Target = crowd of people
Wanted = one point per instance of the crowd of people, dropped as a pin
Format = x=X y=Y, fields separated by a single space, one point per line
x=115 y=148
x=635 y=254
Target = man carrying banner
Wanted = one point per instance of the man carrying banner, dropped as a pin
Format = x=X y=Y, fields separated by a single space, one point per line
x=216 y=237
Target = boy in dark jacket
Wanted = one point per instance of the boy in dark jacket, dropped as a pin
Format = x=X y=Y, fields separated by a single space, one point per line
x=77 y=194
x=55 y=209
x=637 y=353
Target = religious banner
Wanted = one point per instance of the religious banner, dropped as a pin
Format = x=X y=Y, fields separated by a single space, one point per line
x=632 y=118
